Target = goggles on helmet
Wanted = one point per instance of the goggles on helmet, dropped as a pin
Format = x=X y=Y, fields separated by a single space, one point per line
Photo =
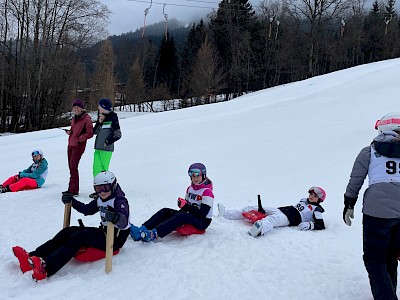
x=103 y=188
x=317 y=192
x=35 y=153
x=196 y=172
x=387 y=122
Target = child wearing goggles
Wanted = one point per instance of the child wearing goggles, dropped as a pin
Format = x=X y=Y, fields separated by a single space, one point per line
x=195 y=209
x=112 y=206
x=306 y=214
x=31 y=178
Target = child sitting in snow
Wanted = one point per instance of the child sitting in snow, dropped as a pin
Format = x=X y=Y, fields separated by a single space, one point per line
x=51 y=256
x=30 y=178
x=196 y=209
x=306 y=215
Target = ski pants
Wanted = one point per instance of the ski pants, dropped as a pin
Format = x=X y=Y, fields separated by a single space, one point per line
x=381 y=245
x=16 y=185
x=101 y=161
x=66 y=243
x=167 y=220
x=74 y=156
x=275 y=217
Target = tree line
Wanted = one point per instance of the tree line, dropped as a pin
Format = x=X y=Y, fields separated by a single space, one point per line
x=51 y=53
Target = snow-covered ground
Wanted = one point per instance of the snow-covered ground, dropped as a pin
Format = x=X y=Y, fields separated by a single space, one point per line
x=276 y=143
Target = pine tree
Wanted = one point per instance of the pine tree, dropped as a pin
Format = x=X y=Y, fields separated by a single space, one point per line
x=373 y=32
x=390 y=8
x=166 y=72
x=375 y=7
x=232 y=29
x=191 y=47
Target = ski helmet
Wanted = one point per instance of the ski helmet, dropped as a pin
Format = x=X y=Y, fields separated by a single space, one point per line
x=388 y=122
x=198 y=169
x=37 y=152
x=104 y=177
x=321 y=194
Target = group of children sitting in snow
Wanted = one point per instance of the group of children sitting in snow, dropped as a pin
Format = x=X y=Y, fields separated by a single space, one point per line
x=195 y=210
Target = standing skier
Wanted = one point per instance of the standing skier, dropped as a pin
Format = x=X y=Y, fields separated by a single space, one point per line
x=306 y=214
x=196 y=209
x=381 y=205
x=51 y=256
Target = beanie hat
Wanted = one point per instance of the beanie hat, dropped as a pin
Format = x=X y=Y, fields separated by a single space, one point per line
x=78 y=102
x=105 y=103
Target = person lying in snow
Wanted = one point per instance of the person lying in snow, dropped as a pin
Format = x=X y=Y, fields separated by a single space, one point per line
x=196 y=209
x=51 y=256
x=306 y=214
x=30 y=178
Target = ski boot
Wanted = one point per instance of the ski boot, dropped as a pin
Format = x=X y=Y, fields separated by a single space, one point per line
x=39 y=268
x=22 y=257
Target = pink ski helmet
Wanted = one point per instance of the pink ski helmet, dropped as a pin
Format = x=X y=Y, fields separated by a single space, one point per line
x=321 y=194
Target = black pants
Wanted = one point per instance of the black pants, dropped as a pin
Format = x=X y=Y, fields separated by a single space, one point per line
x=381 y=240
x=61 y=248
x=167 y=220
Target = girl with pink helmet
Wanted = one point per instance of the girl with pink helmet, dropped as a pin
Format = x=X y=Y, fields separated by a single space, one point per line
x=306 y=214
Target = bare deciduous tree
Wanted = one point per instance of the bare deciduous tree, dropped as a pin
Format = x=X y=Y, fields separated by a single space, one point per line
x=104 y=79
x=136 y=87
x=318 y=14
x=208 y=75
x=38 y=42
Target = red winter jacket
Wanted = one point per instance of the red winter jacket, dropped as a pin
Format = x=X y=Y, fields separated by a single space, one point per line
x=81 y=130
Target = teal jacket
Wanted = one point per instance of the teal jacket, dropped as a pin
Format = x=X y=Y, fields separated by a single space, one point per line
x=37 y=170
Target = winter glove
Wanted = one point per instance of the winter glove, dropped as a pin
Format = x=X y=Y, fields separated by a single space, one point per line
x=16 y=177
x=109 y=140
x=67 y=198
x=110 y=215
x=348 y=211
x=306 y=226
x=181 y=202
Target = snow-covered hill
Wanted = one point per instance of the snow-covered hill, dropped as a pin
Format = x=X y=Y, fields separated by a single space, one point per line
x=276 y=143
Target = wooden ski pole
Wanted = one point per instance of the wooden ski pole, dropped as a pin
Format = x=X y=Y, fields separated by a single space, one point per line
x=67 y=214
x=109 y=246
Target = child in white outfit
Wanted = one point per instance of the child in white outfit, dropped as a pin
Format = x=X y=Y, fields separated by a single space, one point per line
x=306 y=214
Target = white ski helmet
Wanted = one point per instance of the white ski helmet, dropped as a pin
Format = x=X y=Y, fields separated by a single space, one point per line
x=388 y=122
x=104 y=177
x=37 y=152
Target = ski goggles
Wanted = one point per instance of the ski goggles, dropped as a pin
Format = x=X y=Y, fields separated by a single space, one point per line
x=103 y=188
x=387 y=122
x=34 y=153
x=317 y=192
x=196 y=172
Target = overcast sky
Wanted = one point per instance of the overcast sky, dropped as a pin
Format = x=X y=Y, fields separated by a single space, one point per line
x=128 y=15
